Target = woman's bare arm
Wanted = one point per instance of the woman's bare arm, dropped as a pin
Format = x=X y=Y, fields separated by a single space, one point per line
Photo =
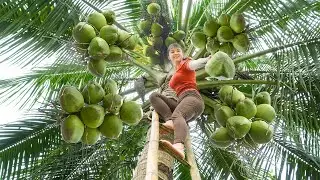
x=199 y=63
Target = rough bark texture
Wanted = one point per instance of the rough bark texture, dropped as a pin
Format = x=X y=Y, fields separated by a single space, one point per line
x=165 y=164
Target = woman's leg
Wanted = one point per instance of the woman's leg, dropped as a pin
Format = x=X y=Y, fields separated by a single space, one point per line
x=188 y=109
x=163 y=106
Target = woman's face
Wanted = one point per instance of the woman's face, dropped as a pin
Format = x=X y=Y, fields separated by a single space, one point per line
x=175 y=54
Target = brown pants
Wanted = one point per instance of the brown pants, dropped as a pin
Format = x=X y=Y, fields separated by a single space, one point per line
x=188 y=107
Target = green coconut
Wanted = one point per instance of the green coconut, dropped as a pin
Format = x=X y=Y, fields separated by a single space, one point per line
x=97 y=20
x=155 y=59
x=261 y=132
x=71 y=100
x=123 y=38
x=97 y=67
x=212 y=45
x=223 y=114
x=224 y=20
x=90 y=136
x=98 y=48
x=266 y=112
x=220 y=66
x=169 y=40
x=237 y=23
x=225 y=34
x=110 y=87
x=230 y=95
x=93 y=93
x=110 y=16
x=246 y=108
x=234 y=97
x=221 y=137
x=109 y=33
x=156 y=29
x=199 y=40
x=111 y=127
x=179 y=35
x=131 y=112
x=227 y=48
x=83 y=32
x=133 y=41
x=153 y=8
x=112 y=103
x=238 y=126
x=182 y=44
x=149 y=51
x=241 y=42
x=210 y=28
x=262 y=98
x=145 y=26
x=92 y=115
x=72 y=129
x=224 y=91
x=115 y=54
x=157 y=42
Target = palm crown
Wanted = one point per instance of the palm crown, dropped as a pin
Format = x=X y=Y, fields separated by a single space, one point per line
x=283 y=59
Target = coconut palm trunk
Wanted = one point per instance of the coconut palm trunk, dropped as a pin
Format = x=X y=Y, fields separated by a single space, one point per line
x=164 y=160
x=165 y=164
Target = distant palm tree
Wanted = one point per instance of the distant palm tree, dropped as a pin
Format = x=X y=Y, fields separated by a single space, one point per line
x=283 y=59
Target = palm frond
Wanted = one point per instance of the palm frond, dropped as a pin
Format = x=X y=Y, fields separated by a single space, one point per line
x=25 y=142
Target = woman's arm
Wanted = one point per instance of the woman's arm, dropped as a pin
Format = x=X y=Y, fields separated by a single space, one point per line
x=199 y=63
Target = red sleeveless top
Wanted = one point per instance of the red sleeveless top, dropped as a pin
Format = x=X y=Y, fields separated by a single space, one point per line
x=184 y=78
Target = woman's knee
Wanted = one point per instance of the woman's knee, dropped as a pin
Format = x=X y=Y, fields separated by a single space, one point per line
x=154 y=96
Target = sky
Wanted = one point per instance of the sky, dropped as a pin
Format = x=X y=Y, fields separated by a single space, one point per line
x=9 y=113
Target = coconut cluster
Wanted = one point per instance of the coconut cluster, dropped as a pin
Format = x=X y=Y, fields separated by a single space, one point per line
x=96 y=109
x=221 y=38
x=103 y=42
x=157 y=36
x=243 y=118
x=225 y=34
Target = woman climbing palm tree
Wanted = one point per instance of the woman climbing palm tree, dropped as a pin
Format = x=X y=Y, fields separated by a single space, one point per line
x=189 y=105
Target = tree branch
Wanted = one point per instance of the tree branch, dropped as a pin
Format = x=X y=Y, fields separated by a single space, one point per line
x=210 y=84
x=250 y=56
x=180 y=4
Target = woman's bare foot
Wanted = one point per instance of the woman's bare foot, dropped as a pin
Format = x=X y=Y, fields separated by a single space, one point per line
x=169 y=124
x=177 y=148
x=166 y=127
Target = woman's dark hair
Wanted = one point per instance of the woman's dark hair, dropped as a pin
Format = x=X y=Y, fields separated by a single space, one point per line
x=174 y=45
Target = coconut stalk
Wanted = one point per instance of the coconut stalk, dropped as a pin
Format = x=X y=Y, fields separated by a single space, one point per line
x=180 y=5
x=210 y=84
x=185 y=24
x=152 y=161
x=250 y=56
x=210 y=102
x=194 y=171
